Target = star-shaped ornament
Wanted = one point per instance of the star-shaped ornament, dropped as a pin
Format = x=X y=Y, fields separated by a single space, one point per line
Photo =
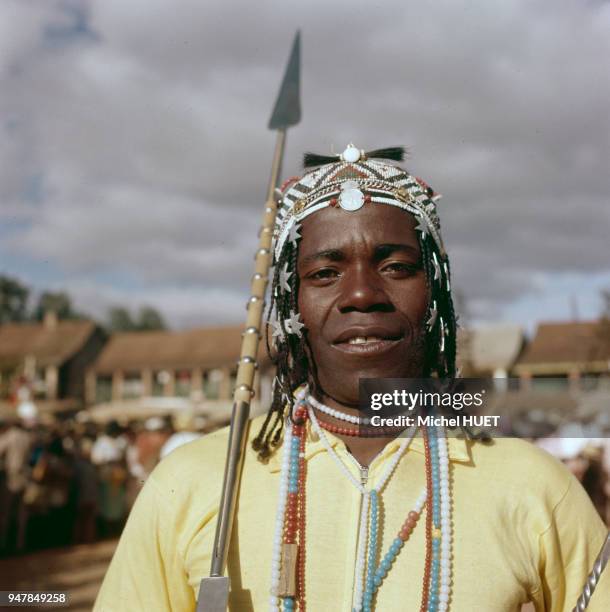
x=433 y=314
x=278 y=332
x=437 y=267
x=422 y=226
x=293 y=324
x=293 y=234
x=284 y=276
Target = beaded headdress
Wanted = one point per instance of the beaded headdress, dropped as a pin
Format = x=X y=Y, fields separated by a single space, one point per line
x=351 y=181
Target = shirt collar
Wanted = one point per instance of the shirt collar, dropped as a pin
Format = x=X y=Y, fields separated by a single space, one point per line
x=459 y=448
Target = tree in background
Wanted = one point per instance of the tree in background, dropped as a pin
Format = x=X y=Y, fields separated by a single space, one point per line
x=14 y=296
x=119 y=319
x=147 y=319
x=13 y=300
x=58 y=302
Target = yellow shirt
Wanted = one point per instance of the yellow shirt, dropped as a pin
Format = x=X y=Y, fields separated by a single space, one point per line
x=523 y=529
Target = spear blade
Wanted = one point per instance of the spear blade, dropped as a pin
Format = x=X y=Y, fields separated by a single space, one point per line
x=287 y=110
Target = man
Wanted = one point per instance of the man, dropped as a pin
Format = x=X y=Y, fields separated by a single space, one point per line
x=108 y=455
x=333 y=515
x=15 y=448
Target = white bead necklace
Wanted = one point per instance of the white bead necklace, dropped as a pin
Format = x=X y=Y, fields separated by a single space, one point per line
x=337 y=414
x=276 y=557
x=446 y=535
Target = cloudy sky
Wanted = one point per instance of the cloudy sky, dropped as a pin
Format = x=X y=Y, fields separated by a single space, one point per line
x=134 y=152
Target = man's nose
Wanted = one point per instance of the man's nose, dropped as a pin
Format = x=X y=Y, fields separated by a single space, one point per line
x=363 y=291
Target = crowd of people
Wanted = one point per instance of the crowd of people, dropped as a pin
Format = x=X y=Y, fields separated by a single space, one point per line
x=73 y=482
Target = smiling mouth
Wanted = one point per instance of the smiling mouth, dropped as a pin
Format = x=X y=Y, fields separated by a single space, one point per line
x=365 y=340
x=367 y=345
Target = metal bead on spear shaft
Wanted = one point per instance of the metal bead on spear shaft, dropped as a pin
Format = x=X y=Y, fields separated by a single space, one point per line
x=214 y=590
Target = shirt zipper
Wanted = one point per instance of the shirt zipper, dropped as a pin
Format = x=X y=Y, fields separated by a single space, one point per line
x=364 y=478
x=364 y=475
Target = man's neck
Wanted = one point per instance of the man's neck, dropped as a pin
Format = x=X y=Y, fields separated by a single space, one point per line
x=363 y=449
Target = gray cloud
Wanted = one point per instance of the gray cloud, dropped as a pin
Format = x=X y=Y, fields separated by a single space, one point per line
x=134 y=135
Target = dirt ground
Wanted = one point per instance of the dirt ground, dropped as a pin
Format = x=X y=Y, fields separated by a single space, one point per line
x=78 y=569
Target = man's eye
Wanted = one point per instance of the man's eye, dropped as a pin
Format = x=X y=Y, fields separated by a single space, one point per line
x=401 y=267
x=323 y=274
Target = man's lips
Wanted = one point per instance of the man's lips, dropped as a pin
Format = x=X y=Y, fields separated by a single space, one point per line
x=367 y=340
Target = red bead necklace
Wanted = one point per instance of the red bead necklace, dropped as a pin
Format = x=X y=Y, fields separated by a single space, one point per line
x=359 y=431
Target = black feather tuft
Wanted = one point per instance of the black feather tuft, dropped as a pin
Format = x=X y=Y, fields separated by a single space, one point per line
x=393 y=153
x=313 y=159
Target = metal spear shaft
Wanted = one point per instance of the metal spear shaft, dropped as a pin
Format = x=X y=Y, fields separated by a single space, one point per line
x=593 y=577
x=214 y=590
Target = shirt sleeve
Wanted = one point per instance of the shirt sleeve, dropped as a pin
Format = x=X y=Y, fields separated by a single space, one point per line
x=146 y=572
x=568 y=548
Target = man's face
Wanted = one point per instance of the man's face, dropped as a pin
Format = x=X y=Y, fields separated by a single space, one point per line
x=363 y=296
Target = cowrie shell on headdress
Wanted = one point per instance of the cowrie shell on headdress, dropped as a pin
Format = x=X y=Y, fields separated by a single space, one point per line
x=351 y=198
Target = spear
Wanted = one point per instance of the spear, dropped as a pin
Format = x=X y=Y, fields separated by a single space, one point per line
x=214 y=590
